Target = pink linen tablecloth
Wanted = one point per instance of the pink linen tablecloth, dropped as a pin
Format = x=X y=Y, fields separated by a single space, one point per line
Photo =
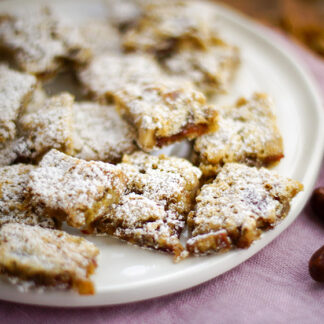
x=272 y=287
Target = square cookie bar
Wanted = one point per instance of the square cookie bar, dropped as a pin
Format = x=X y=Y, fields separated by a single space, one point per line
x=100 y=133
x=152 y=214
x=108 y=73
x=75 y=190
x=41 y=257
x=211 y=70
x=40 y=41
x=15 y=206
x=50 y=127
x=166 y=25
x=165 y=112
x=247 y=133
x=238 y=207
x=16 y=88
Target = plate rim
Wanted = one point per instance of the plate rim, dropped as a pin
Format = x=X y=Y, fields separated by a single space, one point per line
x=147 y=287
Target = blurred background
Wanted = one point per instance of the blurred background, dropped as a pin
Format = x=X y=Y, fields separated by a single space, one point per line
x=302 y=20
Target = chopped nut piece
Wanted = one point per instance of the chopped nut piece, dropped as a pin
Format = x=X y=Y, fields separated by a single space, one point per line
x=14 y=204
x=247 y=133
x=237 y=207
x=75 y=190
x=165 y=112
x=15 y=90
x=39 y=41
x=317 y=202
x=106 y=74
x=161 y=192
x=101 y=134
x=46 y=257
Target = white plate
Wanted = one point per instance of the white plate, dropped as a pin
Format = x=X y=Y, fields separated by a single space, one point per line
x=127 y=273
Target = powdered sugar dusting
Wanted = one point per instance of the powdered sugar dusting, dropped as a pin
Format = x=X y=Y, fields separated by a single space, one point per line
x=210 y=70
x=38 y=40
x=14 y=203
x=47 y=257
x=165 y=24
x=160 y=194
x=162 y=109
x=170 y=181
x=100 y=133
x=108 y=73
x=14 y=90
x=75 y=189
x=47 y=128
x=243 y=201
x=247 y=133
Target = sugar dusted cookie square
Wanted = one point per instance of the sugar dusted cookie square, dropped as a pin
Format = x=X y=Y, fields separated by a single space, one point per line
x=49 y=127
x=169 y=180
x=166 y=25
x=160 y=193
x=235 y=209
x=15 y=206
x=40 y=41
x=247 y=133
x=100 y=133
x=75 y=190
x=15 y=90
x=108 y=73
x=165 y=112
x=41 y=257
x=211 y=70
x=144 y=222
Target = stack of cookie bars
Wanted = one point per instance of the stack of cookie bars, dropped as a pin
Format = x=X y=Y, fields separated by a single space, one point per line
x=148 y=75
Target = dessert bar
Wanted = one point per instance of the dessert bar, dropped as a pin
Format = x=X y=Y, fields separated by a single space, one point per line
x=15 y=206
x=237 y=207
x=75 y=190
x=152 y=214
x=165 y=112
x=100 y=133
x=41 y=257
x=247 y=133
